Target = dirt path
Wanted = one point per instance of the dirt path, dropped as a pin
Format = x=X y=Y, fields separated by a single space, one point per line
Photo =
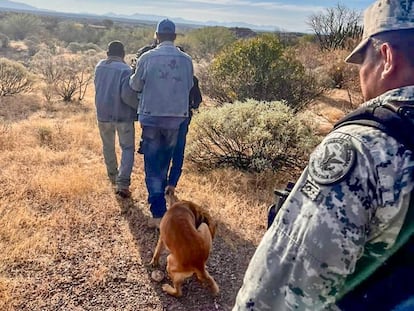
x=104 y=266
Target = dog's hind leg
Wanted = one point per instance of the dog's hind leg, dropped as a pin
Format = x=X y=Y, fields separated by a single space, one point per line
x=176 y=277
x=202 y=273
x=175 y=291
x=206 y=278
x=158 y=249
x=205 y=235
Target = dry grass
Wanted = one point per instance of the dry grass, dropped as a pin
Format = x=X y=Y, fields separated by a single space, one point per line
x=67 y=243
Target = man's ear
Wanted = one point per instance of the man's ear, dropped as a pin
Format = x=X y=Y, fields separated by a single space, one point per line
x=388 y=58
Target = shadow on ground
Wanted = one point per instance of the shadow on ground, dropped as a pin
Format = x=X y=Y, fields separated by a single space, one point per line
x=227 y=264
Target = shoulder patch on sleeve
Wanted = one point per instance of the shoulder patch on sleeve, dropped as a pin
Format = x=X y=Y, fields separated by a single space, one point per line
x=332 y=161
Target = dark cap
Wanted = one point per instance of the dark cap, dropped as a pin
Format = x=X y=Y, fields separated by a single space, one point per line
x=382 y=16
x=165 y=26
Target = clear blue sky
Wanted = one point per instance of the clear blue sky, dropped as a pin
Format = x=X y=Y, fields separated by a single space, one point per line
x=290 y=15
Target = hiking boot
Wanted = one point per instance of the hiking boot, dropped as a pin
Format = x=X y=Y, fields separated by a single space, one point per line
x=154 y=223
x=123 y=193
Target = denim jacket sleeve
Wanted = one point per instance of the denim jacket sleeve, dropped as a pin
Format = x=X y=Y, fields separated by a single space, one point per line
x=128 y=95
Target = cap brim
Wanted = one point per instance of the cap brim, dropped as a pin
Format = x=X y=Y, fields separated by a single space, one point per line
x=357 y=55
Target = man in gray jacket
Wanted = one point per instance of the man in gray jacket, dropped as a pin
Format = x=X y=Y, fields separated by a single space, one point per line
x=116 y=108
x=164 y=75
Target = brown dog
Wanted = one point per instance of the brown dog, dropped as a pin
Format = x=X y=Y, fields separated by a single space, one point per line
x=187 y=231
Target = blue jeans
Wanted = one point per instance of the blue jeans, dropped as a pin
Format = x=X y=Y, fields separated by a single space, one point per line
x=178 y=154
x=157 y=146
x=126 y=135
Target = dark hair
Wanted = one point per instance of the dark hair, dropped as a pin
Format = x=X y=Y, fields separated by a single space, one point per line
x=116 y=48
x=166 y=37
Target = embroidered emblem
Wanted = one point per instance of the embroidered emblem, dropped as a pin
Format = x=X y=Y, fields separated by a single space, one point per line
x=332 y=161
x=310 y=190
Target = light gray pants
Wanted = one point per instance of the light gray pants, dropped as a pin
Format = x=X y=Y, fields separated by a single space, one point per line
x=126 y=136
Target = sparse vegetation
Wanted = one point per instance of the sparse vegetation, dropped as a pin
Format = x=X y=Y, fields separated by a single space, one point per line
x=336 y=28
x=19 y=26
x=251 y=136
x=14 y=78
x=63 y=75
x=66 y=242
x=205 y=43
x=4 y=41
x=259 y=68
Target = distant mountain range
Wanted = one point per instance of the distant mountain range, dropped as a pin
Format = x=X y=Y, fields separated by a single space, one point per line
x=185 y=21
x=18 y=6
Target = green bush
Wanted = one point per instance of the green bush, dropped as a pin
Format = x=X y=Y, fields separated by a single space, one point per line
x=4 y=41
x=259 y=68
x=204 y=43
x=14 y=78
x=132 y=38
x=19 y=26
x=76 y=47
x=252 y=136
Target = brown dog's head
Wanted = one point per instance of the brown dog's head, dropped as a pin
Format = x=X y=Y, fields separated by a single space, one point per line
x=202 y=215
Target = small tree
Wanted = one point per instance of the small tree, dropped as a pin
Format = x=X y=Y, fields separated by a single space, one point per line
x=4 y=41
x=19 y=26
x=66 y=76
x=252 y=135
x=14 y=78
x=262 y=69
x=206 y=42
x=335 y=27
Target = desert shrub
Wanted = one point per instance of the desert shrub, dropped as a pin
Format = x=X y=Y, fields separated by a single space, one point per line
x=252 y=136
x=76 y=47
x=4 y=40
x=329 y=67
x=259 y=68
x=68 y=77
x=91 y=46
x=45 y=135
x=336 y=27
x=132 y=38
x=68 y=31
x=19 y=26
x=32 y=47
x=204 y=43
x=14 y=78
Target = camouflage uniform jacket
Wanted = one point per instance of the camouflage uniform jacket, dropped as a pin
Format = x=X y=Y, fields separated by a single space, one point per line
x=350 y=201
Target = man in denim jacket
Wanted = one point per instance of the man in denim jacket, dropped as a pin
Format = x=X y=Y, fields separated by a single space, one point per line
x=164 y=76
x=116 y=109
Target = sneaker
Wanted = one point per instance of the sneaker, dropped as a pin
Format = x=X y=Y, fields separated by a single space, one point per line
x=123 y=193
x=154 y=223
